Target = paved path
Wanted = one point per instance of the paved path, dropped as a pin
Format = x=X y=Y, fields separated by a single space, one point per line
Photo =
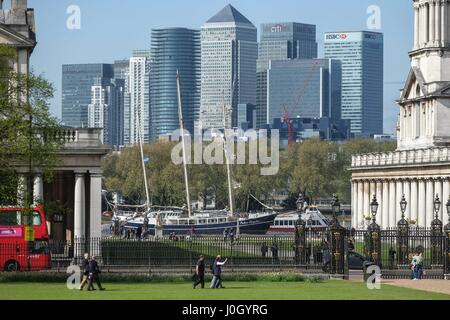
x=440 y=286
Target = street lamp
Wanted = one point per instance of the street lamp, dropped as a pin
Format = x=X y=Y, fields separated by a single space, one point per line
x=437 y=206
x=403 y=205
x=374 y=207
x=448 y=207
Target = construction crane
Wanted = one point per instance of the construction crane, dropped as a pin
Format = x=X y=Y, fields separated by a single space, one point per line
x=287 y=115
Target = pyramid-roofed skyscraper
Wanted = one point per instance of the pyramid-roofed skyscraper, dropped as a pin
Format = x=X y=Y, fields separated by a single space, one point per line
x=228 y=66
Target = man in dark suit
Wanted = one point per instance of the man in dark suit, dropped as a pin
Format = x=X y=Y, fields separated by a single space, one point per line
x=200 y=273
x=94 y=272
x=84 y=270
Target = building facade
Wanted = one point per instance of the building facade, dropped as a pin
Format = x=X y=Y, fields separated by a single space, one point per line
x=280 y=41
x=361 y=54
x=419 y=169
x=172 y=50
x=229 y=52
x=77 y=80
x=309 y=88
x=106 y=111
x=137 y=103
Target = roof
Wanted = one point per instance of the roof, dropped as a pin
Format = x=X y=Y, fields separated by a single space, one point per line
x=229 y=14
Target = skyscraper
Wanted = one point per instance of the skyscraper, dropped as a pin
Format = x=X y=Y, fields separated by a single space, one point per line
x=228 y=66
x=174 y=49
x=77 y=80
x=361 y=54
x=137 y=106
x=280 y=41
x=309 y=88
x=106 y=110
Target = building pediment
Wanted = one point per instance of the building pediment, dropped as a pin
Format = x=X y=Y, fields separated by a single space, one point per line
x=414 y=81
x=15 y=39
x=446 y=91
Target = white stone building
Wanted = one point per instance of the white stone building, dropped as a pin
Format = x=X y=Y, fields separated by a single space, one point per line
x=229 y=50
x=420 y=167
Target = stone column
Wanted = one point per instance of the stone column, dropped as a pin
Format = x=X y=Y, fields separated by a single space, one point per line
x=429 y=203
x=445 y=196
x=398 y=196
x=416 y=26
x=385 y=205
x=79 y=205
x=422 y=203
x=438 y=191
x=392 y=204
x=427 y=24
x=95 y=213
x=21 y=189
x=379 y=193
x=444 y=23
x=360 y=211
x=407 y=193
x=38 y=189
x=432 y=23
x=367 y=199
x=438 y=23
x=414 y=200
x=354 y=203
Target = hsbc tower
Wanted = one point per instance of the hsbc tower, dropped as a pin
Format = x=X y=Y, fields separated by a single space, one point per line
x=361 y=54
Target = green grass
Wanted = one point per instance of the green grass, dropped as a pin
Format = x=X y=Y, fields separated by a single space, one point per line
x=328 y=290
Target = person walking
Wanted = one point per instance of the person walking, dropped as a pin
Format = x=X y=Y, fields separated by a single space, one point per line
x=200 y=272
x=84 y=270
x=417 y=266
x=264 y=250
x=94 y=272
x=217 y=273
x=274 y=249
x=225 y=235
x=231 y=235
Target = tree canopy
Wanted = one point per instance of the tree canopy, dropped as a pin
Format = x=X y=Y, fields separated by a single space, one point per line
x=27 y=129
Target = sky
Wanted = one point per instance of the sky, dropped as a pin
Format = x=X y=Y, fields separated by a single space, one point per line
x=112 y=29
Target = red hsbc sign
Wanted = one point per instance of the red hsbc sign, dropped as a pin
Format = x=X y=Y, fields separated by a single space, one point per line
x=337 y=36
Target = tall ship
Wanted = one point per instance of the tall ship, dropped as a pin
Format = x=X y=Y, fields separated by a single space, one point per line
x=184 y=221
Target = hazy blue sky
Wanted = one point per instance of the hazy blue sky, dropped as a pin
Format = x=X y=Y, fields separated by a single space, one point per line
x=111 y=29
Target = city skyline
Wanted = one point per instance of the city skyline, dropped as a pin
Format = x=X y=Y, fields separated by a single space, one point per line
x=60 y=45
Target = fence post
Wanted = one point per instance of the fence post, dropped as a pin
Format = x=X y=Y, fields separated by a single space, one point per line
x=447 y=252
x=403 y=236
x=337 y=234
x=300 y=243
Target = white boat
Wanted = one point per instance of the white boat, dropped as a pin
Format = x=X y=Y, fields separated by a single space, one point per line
x=285 y=223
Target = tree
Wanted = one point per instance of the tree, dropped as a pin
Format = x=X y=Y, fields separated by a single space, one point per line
x=28 y=133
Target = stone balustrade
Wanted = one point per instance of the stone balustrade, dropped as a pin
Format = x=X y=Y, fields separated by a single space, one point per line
x=402 y=157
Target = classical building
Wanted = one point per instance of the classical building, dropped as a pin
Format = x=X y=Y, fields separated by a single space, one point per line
x=420 y=167
x=77 y=182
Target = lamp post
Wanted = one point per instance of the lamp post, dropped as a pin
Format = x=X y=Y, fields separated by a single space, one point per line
x=336 y=208
x=374 y=208
x=437 y=206
x=403 y=206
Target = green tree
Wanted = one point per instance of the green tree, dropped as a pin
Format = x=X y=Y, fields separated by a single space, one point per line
x=28 y=133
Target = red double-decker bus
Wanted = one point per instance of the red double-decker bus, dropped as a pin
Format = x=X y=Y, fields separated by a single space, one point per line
x=17 y=253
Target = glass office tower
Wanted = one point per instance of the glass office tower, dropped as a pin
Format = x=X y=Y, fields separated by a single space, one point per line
x=77 y=80
x=306 y=88
x=281 y=41
x=361 y=54
x=174 y=49
x=229 y=50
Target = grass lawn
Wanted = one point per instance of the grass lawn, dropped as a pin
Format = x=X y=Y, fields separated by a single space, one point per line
x=328 y=290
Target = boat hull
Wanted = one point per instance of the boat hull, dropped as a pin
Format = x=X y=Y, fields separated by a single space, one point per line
x=258 y=225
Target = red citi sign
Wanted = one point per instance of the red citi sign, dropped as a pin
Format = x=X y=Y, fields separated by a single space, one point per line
x=337 y=36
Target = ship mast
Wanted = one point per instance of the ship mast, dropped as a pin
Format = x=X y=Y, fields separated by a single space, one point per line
x=180 y=118
x=227 y=161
